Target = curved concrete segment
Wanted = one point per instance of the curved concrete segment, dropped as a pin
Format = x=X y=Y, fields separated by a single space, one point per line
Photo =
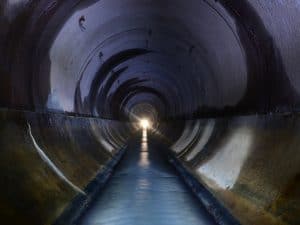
x=251 y=165
x=219 y=80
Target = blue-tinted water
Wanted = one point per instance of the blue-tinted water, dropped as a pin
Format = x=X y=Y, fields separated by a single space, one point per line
x=146 y=190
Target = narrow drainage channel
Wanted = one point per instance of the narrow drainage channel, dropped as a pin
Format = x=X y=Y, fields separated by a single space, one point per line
x=146 y=189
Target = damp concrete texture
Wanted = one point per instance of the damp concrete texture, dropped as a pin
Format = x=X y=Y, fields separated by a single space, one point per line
x=219 y=81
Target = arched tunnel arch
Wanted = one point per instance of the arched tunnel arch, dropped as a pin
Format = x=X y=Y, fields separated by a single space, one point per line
x=219 y=79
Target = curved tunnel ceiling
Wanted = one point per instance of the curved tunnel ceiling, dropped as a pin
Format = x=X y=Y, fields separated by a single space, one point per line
x=188 y=59
x=192 y=66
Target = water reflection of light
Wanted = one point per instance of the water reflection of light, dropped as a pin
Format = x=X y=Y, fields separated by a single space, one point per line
x=144 y=183
x=144 y=136
x=144 y=157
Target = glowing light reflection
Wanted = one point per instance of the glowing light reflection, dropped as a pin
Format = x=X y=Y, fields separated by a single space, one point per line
x=144 y=123
x=144 y=155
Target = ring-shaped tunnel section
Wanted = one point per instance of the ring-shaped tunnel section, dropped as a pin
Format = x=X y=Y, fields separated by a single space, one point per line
x=214 y=83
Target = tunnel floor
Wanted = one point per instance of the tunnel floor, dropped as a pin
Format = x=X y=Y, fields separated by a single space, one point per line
x=145 y=189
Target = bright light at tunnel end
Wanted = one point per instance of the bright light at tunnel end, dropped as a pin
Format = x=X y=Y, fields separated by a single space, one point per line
x=144 y=123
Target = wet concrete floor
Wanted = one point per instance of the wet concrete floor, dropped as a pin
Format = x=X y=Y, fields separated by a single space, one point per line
x=146 y=190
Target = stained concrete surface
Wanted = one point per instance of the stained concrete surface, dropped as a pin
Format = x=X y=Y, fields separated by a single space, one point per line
x=146 y=189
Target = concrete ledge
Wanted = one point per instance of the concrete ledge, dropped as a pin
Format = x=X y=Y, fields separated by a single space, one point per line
x=220 y=213
x=81 y=203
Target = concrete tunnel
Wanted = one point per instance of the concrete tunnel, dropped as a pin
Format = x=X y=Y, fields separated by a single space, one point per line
x=219 y=80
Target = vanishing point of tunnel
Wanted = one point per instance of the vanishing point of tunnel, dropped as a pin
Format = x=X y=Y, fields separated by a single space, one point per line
x=150 y=112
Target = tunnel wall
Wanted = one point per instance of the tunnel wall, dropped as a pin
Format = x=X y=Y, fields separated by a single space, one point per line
x=249 y=163
x=64 y=61
x=48 y=159
x=48 y=155
x=222 y=57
